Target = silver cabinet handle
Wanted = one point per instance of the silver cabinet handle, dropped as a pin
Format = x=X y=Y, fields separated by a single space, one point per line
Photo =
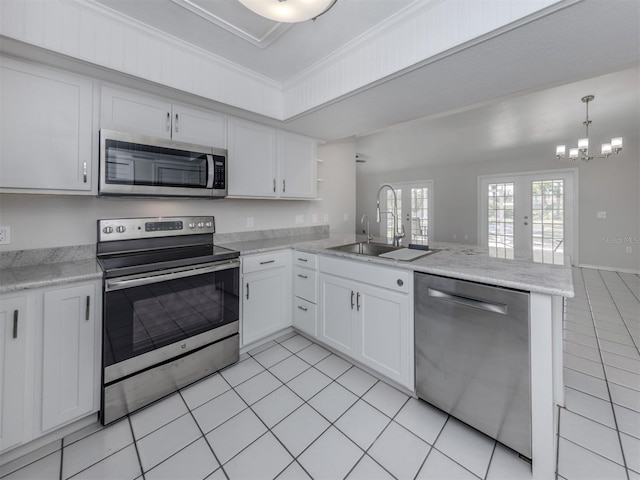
x=284 y=185
x=352 y=294
x=304 y=309
x=88 y=311
x=176 y=125
x=358 y=301
x=15 y=324
x=274 y=185
x=302 y=259
x=469 y=302
x=168 y=121
x=303 y=276
x=84 y=171
x=267 y=261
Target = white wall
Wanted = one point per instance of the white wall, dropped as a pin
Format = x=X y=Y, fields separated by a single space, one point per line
x=451 y=152
x=43 y=221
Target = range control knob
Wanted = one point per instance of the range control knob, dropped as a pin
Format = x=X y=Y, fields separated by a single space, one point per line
x=208 y=224
x=107 y=230
x=121 y=229
x=200 y=225
x=192 y=225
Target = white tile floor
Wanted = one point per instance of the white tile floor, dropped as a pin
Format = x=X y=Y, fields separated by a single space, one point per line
x=291 y=409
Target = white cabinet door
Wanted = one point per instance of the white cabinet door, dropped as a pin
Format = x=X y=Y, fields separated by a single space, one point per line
x=129 y=112
x=266 y=303
x=68 y=355
x=384 y=332
x=337 y=303
x=252 y=159
x=46 y=129
x=14 y=376
x=305 y=316
x=191 y=125
x=297 y=166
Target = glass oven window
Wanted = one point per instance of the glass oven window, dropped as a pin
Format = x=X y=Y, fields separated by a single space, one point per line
x=144 y=318
x=132 y=164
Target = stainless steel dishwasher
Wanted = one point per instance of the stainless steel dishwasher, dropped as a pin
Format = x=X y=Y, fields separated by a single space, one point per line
x=472 y=356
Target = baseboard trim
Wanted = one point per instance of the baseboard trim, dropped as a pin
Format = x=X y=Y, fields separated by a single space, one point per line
x=610 y=269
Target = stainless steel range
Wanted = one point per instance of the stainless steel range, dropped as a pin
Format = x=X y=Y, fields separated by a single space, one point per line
x=171 y=308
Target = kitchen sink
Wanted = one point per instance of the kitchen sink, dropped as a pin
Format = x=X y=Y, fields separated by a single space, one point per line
x=364 y=248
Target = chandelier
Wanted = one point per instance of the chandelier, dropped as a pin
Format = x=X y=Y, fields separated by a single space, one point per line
x=289 y=11
x=582 y=150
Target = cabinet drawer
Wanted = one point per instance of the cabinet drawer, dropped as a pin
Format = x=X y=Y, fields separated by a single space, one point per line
x=304 y=283
x=398 y=280
x=305 y=316
x=264 y=261
x=303 y=259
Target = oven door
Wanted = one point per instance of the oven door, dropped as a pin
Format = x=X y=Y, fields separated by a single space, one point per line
x=154 y=317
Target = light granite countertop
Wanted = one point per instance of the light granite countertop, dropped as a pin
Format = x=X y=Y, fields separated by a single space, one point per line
x=48 y=274
x=453 y=260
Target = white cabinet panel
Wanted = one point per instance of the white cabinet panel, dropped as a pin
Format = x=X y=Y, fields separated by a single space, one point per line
x=132 y=112
x=46 y=128
x=14 y=375
x=305 y=283
x=337 y=314
x=297 y=167
x=252 y=159
x=68 y=372
x=305 y=316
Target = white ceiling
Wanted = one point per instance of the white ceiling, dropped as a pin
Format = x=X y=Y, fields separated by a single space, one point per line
x=578 y=41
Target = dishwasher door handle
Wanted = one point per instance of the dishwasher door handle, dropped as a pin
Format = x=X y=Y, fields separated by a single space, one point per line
x=469 y=302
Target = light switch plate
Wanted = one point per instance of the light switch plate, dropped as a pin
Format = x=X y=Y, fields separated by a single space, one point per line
x=5 y=235
x=601 y=214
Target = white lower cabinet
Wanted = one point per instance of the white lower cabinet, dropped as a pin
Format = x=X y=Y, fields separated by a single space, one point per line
x=68 y=355
x=266 y=295
x=15 y=328
x=365 y=312
x=50 y=351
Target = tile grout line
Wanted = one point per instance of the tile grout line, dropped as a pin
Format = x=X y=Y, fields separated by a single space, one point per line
x=615 y=420
x=135 y=445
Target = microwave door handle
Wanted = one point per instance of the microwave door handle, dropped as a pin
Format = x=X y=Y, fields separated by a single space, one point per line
x=210 y=176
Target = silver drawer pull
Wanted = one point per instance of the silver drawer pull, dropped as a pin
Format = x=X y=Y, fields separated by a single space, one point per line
x=267 y=261
x=303 y=276
x=15 y=324
x=304 y=309
x=470 y=302
x=303 y=259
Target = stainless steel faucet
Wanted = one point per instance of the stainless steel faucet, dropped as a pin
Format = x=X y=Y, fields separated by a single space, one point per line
x=369 y=237
x=397 y=235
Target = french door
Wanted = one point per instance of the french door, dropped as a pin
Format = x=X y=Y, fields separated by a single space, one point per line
x=415 y=211
x=528 y=215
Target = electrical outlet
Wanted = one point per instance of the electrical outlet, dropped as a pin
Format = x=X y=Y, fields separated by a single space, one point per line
x=314 y=218
x=5 y=235
x=249 y=222
x=601 y=214
x=299 y=219
x=466 y=237
x=629 y=249
x=455 y=237
x=346 y=217
x=326 y=218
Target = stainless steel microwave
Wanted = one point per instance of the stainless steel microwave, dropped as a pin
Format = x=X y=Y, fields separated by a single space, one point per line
x=145 y=166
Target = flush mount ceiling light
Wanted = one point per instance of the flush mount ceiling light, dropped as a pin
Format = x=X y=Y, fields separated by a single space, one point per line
x=582 y=150
x=289 y=11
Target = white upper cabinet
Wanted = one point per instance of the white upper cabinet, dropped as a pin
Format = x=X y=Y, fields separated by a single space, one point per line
x=269 y=163
x=128 y=111
x=46 y=120
x=297 y=167
x=252 y=159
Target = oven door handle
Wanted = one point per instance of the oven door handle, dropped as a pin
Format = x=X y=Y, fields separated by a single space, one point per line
x=119 y=284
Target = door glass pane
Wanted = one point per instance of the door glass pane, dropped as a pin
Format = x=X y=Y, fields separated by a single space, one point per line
x=500 y=219
x=419 y=215
x=547 y=226
x=390 y=208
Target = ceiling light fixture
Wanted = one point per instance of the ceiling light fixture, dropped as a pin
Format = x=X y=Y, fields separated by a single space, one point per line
x=289 y=11
x=582 y=150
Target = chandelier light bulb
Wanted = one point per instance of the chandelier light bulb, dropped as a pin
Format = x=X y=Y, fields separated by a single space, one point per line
x=616 y=144
x=561 y=151
x=606 y=149
x=573 y=153
x=583 y=144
